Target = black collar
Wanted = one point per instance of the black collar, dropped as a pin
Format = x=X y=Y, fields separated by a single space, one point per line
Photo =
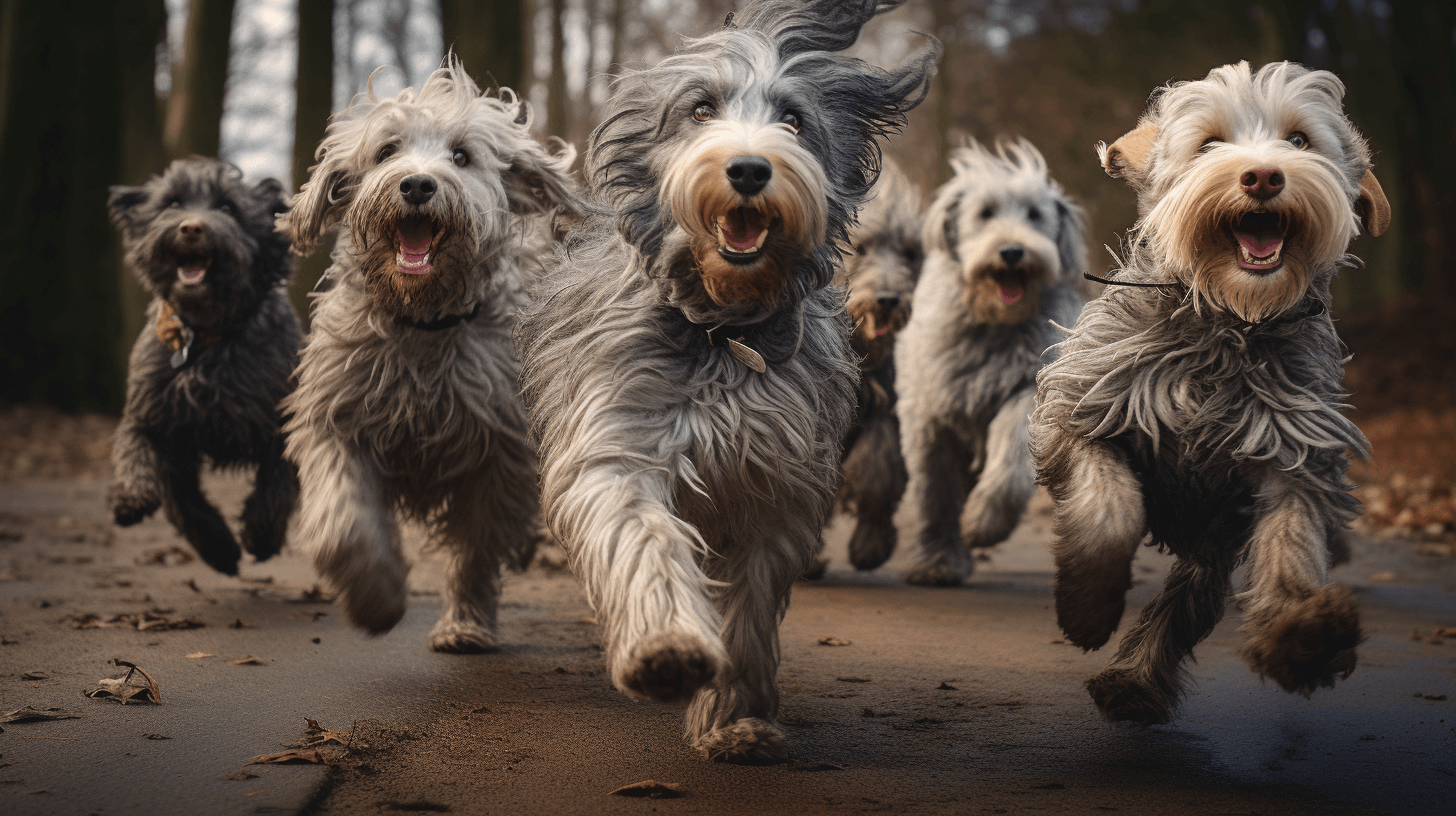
x=440 y=323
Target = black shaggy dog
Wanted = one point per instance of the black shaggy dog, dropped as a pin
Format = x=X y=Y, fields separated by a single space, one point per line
x=216 y=355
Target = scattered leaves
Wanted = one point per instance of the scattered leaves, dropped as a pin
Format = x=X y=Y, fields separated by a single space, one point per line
x=853 y=679
x=301 y=756
x=128 y=689
x=143 y=621
x=650 y=789
x=833 y=641
x=944 y=686
x=35 y=675
x=29 y=714
x=239 y=623
x=1433 y=697
x=152 y=736
x=198 y=655
x=238 y=776
x=248 y=661
x=166 y=556
x=316 y=736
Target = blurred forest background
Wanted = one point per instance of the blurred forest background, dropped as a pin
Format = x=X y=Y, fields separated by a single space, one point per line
x=100 y=93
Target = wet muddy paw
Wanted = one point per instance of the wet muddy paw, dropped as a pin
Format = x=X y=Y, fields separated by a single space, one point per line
x=668 y=668
x=749 y=741
x=1310 y=645
x=129 y=508
x=454 y=636
x=1122 y=697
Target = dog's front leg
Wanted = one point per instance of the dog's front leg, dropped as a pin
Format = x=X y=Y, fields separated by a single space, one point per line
x=1301 y=631
x=1007 y=480
x=136 y=489
x=874 y=474
x=638 y=562
x=733 y=719
x=940 y=479
x=349 y=525
x=195 y=517
x=266 y=512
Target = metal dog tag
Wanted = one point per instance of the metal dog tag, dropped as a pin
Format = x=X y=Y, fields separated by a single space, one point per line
x=180 y=355
x=747 y=356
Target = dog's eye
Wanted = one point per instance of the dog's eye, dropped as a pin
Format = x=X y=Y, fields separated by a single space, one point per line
x=792 y=120
x=1033 y=214
x=385 y=152
x=460 y=157
x=703 y=112
x=987 y=212
x=1299 y=140
x=227 y=208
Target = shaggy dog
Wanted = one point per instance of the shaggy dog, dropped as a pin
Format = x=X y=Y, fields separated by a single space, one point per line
x=1004 y=250
x=1201 y=403
x=406 y=396
x=207 y=372
x=687 y=365
x=880 y=274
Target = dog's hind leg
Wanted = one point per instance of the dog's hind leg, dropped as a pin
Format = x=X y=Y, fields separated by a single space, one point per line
x=1007 y=480
x=874 y=472
x=268 y=507
x=733 y=719
x=1145 y=681
x=1098 y=524
x=940 y=479
x=348 y=524
x=1301 y=631
x=196 y=519
x=637 y=561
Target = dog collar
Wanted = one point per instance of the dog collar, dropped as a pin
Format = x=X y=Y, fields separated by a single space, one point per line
x=441 y=323
x=176 y=335
x=1110 y=282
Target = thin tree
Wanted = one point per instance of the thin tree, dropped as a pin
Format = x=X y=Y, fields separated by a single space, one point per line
x=194 y=115
x=558 y=101
x=314 y=88
x=492 y=39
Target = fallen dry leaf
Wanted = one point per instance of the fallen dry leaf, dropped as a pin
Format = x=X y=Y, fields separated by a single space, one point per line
x=301 y=756
x=316 y=736
x=833 y=641
x=124 y=690
x=143 y=621
x=167 y=556
x=35 y=675
x=248 y=661
x=650 y=789
x=152 y=736
x=239 y=624
x=944 y=686
x=196 y=655
x=315 y=594
x=238 y=776
x=29 y=714
x=852 y=679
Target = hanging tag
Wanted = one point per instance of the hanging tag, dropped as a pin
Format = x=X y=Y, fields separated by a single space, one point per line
x=180 y=355
x=747 y=356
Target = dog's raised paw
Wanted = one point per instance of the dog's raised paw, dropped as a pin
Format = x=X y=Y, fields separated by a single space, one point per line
x=942 y=572
x=1310 y=645
x=461 y=637
x=668 y=668
x=1122 y=697
x=871 y=544
x=749 y=741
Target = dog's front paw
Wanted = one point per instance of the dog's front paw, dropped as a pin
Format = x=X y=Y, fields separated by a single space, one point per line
x=1089 y=617
x=749 y=741
x=372 y=591
x=129 y=507
x=1122 y=696
x=455 y=636
x=872 y=544
x=668 y=668
x=1310 y=645
x=948 y=568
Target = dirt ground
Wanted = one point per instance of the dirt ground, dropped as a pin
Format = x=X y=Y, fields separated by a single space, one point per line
x=942 y=701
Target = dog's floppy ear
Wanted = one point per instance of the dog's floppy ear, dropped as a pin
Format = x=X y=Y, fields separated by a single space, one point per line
x=941 y=229
x=1128 y=156
x=539 y=179
x=1371 y=206
x=1071 y=239
x=270 y=193
x=123 y=200
x=321 y=200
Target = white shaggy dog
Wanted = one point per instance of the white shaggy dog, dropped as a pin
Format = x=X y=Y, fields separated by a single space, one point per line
x=687 y=365
x=1004 y=250
x=406 y=397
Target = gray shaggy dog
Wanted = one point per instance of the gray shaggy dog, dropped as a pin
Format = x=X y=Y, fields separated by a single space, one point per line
x=406 y=398
x=1005 y=247
x=214 y=358
x=880 y=274
x=1201 y=403
x=687 y=365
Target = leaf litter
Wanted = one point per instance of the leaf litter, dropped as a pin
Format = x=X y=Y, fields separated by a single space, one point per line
x=320 y=746
x=29 y=714
x=151 y=620
x=128 y=689
x=650 y=789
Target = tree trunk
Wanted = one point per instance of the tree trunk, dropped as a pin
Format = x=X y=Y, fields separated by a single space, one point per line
x=315 y=89
x=492 y=39
x=194 y=115
x=141 y=133
x=558 y=102
x=60 y=326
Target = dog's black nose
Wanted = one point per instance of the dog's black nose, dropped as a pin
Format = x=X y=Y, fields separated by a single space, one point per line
x=192 y=227
x=889 y=302
x=1262 y=184
x=1012 y=254
x=417 y=189
x=749 y=174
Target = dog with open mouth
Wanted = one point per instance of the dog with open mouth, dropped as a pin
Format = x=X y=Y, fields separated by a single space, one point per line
x=215 y=357
x=406 y=398
x=687 y=363
x=1005 y=247
x=1199 y=399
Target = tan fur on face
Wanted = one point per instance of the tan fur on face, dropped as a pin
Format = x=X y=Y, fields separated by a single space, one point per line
x=696 y=189
x=986 y=271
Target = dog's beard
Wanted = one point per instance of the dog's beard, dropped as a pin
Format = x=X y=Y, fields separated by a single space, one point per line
x=875 y=328
x=1254 y=259
x=205 y=278
x=744 y=246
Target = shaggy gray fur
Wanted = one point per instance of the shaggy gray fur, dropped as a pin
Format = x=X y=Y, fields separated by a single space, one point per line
x=688 y=489
x=406 y=398
x=219 y=402
x=1168 y=413
x=968 y=360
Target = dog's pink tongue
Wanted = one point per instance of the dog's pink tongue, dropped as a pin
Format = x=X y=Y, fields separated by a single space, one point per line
x=1260 y=244
x=1011 y=295
x=741 y=229
x=414 y=240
